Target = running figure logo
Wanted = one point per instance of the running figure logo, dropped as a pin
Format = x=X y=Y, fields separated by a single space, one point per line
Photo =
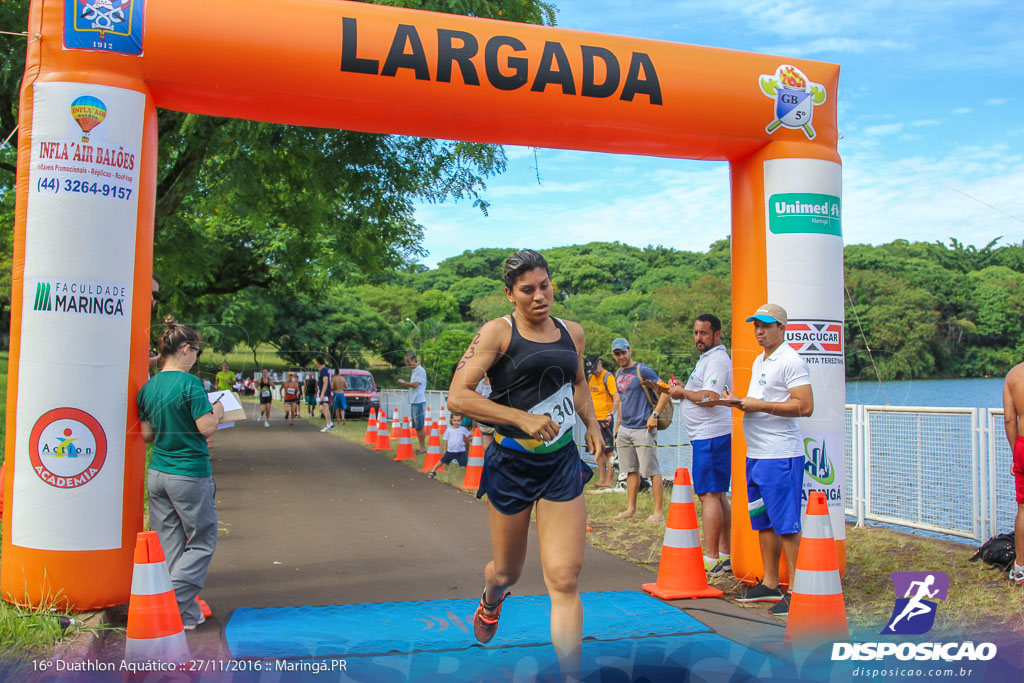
x=914 y=613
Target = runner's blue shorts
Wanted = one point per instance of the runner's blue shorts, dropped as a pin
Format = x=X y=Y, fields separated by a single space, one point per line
x=339 y=402
x=774 y=489
x=513 y=480
x=712 y=464
x=419 y=411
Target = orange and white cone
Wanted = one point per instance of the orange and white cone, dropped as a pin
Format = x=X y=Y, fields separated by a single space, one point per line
x=155 y=633
x=433 y=450
x=443 y=419
x=383 y=440
x=405 y=444
x=371 y=429
x=475 y=462
x=396 y=425
x=817 y=611
x=427 y=418
x=681 y=570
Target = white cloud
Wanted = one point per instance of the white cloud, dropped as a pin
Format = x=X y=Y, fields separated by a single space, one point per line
x=995 y=101
x=960 y=111
x=925 y=122
x=836 y=45
x=883 y=129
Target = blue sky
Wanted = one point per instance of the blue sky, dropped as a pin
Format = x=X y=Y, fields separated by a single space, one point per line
x=930 y=110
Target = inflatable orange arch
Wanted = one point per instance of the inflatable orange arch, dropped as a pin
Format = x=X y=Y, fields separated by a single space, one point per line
x=97 y=71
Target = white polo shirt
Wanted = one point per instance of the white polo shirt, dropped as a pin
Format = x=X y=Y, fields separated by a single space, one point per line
x=774 y=436
x=713 y=372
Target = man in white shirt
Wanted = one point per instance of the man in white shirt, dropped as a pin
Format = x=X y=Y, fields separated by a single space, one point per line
x=710 y=431
x=779 y=394
x=417 y=397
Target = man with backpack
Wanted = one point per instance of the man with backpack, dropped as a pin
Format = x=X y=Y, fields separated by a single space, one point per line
x=605 y=397
x=636 y=435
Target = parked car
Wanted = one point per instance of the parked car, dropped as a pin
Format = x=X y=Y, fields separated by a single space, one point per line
x=362 y=393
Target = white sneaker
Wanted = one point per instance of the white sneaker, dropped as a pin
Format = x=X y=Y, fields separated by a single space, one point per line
x=192 y=627
x=1017 y=574
x=266 y=424
x=328 y=428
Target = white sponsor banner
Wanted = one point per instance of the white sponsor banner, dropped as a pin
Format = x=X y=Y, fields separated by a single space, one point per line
x=73 y=369
x=804 y=254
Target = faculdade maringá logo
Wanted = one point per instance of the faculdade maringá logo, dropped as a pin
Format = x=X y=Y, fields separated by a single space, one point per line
x=817 y=466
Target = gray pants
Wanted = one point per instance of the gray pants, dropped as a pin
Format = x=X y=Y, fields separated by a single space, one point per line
x=183 y=513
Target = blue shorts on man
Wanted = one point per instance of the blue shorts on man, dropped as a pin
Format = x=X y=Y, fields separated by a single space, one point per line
x=712 y=464
x=775 y=489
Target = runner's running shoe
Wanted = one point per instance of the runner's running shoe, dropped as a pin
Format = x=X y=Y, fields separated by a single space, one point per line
x=1017 y=574
x=485 y=621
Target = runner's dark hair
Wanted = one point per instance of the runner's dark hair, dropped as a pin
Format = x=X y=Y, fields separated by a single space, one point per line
x=174 y=336
x=716 y=324
x=520 y=263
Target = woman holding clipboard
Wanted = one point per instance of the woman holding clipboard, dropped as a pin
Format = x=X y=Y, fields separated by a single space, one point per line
x=176 y=416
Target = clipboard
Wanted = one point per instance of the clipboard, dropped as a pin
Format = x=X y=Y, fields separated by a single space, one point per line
x=731 y=402
x=233 y=411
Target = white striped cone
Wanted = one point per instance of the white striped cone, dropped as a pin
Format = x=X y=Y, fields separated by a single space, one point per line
x=433 y=450
x=155 y=633
x=396 y=425
x=681 y=570
x=817 y=610
x=383 y=440
x=443 y=419
x=475 y=462
x=405 y=443
x=427 y=418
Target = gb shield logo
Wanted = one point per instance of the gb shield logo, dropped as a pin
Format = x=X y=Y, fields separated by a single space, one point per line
x=795 y=98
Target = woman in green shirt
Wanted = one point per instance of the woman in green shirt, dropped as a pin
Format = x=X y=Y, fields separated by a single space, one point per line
x=177 y=417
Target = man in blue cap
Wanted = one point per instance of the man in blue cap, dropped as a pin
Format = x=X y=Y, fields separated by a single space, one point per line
x=779 y=394
x=636 y=434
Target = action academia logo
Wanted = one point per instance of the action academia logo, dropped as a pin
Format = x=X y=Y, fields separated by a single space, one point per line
x=67 y=447
x=795 y=98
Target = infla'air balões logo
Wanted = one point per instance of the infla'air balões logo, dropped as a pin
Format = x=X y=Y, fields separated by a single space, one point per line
x=107 y=25
x=914 y=613
x=67 y=447
x=88 y=112
x=795 y=98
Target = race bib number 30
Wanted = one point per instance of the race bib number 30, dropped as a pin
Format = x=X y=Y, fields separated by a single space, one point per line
x=559 y=407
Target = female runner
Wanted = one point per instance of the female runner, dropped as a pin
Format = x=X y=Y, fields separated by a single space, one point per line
x=538 y=387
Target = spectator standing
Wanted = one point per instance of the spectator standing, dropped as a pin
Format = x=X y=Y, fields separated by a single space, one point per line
x=636 y=435
x=1013 y=404
x=309 y=390
x=710 y=430
x=779 y=394
x=417 y=397
x=605 y=396
x=176 y=416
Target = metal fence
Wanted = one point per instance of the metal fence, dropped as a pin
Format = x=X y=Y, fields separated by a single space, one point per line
x=945 y=470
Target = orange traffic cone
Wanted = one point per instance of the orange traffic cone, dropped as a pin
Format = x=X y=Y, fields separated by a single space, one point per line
x=155 y=632
x=443 y=419
x=681 y=571
x=371 y=429
x=405 y=443
x=475 y=463
x=396 y=425
x=816 y=608
x=383 y=440
x=433 y=450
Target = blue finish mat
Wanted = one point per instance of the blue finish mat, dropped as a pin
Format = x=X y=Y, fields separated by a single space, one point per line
x=439 y=626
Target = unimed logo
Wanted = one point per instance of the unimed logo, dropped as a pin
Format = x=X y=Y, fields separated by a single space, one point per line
x=43 y=302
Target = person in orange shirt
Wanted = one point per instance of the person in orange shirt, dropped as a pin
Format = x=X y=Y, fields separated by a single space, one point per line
x=605 y=396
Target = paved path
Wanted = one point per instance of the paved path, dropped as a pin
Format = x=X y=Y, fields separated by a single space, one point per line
x=312 y=519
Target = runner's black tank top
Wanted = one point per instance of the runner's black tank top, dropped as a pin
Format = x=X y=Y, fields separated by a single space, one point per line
x=529 y=372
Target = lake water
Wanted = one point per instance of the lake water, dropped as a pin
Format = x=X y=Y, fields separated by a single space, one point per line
x=960 y=393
